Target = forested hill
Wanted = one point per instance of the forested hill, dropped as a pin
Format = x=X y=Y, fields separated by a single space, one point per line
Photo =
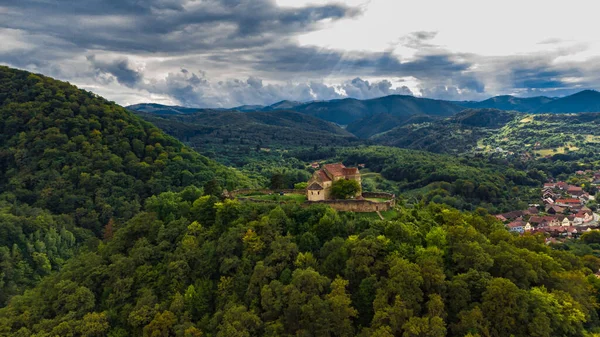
x=583 y=101
x=244 y=269
x=456 y=134
x=232 y=137
x=174 y=262
x=340 y=111
x=509 y=103
x=70 y=164
x=346 y=111
x=264 y=128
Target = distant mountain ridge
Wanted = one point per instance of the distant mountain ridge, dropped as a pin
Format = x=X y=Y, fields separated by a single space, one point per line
x=583 y=101
x=508 y=102
x=348 y=110
x=340 y=111
x=160 y=109
x=229 y=135
x=398 y=109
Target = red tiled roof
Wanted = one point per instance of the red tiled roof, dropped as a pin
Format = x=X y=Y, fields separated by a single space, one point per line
x=568 y=201
x=512 y=215
x=557 y=209
x=516 y=224
x=337 y=170
x=350 y=171
x=323 y=176
x=574 y=189
x=536 y=219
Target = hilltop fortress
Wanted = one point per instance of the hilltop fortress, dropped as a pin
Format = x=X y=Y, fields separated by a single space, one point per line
x=319 y=186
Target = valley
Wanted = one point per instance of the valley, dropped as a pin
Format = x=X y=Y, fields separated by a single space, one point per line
x=114 y=223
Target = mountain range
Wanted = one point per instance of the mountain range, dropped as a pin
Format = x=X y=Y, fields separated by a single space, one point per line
x=508 y=102
x=399 y=108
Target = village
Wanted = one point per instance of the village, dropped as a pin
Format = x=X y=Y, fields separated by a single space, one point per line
x=562 y=214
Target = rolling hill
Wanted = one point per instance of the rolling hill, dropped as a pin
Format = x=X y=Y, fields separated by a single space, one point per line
x=340 y=111
x=583 y=101
x=346 y=111
x=160 y=109
x=457 y=134
x=71 y=163
x=508 y=102
x=501 y=133
x=241 y=133
x=379 y=123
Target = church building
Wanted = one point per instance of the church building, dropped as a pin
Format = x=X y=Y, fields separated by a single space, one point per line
x=319 y=185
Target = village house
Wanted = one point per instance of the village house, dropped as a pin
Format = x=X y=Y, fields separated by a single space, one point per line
x=575 y=191
x=582 y=217
x=511 y=215
x=319 y=185
x=568 y=202
x=536 y=220
x=501 y=217
x=548 y=201
x=517 y=226
x=554 y=209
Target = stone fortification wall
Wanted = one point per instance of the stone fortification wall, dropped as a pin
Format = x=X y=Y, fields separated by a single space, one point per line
x=362 y=205
x=381 y=195
x=235 y=193
x=351 y=205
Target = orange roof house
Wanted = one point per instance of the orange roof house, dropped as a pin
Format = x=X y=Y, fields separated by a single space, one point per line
x=568 y=201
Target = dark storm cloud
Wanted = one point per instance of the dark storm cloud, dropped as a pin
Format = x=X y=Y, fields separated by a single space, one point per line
x=294 y=59
x=194 y=89
x=166 y=26
x=119 y=68
x=542 y=76
x=154 y=48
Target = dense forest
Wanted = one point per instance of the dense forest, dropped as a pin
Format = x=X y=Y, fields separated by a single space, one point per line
x=237 y=138
x=110 y=227
x=208 y=268
x=463 y=183
x=71 y=163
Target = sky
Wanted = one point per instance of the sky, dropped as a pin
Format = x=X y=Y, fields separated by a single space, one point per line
x=226 y=53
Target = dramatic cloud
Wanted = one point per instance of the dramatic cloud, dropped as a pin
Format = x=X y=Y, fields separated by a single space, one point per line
x=194 y=89
x=119 y=69
x=224 y=53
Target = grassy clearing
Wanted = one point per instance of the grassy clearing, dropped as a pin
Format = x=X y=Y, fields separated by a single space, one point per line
x=377 y=199
x=592 y=139
x=299 y=198
x=387 y=215
x=526 y=120
x=370 y=175
x=557 y=150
